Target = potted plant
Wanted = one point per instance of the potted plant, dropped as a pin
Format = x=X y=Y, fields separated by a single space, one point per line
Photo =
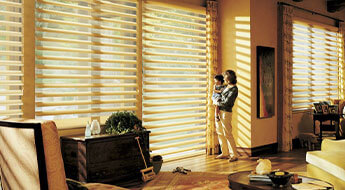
x=123 y=122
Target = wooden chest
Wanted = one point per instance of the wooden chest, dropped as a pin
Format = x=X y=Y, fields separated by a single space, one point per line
x=104 y=158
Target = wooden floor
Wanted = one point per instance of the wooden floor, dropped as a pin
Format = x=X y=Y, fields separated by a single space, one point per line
x=293 y=161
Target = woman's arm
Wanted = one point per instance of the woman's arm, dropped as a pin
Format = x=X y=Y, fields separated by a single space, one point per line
x=229 y=99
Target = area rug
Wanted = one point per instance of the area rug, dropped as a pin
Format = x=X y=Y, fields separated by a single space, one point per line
x=192 y=180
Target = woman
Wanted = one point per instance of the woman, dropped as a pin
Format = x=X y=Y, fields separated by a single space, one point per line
x=223 y=127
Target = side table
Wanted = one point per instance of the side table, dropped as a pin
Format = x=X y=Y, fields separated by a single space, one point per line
x=240 y=180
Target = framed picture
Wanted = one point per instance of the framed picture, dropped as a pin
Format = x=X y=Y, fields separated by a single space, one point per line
x=318 y=108
x=325 y=109
x=333 y=109
x=265 y=81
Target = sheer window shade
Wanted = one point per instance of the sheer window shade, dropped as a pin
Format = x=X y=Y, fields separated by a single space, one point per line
x=11 y=47
x=316 y=61
x=86 y=58
x=174 y=79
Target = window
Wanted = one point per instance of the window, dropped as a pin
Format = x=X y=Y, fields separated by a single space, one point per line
x=174 y=79
x=316 y=64
x=86 y=58
x=11 y=46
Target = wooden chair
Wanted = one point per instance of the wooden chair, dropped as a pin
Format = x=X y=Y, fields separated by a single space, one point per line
x=30 y=157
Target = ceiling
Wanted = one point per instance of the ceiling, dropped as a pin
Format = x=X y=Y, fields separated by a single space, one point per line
x=335 y=5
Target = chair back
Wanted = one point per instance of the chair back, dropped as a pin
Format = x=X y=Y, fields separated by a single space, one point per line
x=30 y=156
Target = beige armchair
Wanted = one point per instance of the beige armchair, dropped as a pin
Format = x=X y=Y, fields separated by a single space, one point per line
x=30 y=157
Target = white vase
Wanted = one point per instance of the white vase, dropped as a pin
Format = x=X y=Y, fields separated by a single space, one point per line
x=95 y=127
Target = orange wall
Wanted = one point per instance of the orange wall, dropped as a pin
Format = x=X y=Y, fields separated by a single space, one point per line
x=235 y=53
x=238 y=52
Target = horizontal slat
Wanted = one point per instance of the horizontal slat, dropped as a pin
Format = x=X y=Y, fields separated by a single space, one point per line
x=83 y=85
x=95 y=102
x=11 y=112
x=88 y=51
x=154 y=147
x=309 y=90
x=85 y=94
x=176 y=28
x=117 y=5
x=314 y=95
x=80 y=111
x=90 y=34
x=11 y=83
x=12 y=102
x=10 y=63
x=151 y=53
x=65 y=40
x=184 y=129
x=175 y=110
x=196 y=147
x=11 y=73
x=177 y=137
x=165 y=103
x=174 y=69
x=106 y=12
x=11 y=4
x=146 y=97
x=171 y=48
x=10 y=23
x=179 y=15
x=60 y=13
x=57 y=58
x=96 y=68
x=11 y=13
x=11 y=53
x=172 y=42
x=186 y=36
x=11 y=92
x=173 y=76
x=175 y=82
x=186 y=89
x=163 y=62
x=10 y=33
x=11 y=43
x=183 y=156
x=196 y=121
x=66 y=5
x=174 y=20
x=162 y=118
x=72 y=76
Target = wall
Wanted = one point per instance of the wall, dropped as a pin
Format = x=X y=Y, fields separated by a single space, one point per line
x=263 y=32
x=235 y=53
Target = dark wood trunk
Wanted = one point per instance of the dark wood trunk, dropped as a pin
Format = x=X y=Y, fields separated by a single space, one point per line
x=110 y=159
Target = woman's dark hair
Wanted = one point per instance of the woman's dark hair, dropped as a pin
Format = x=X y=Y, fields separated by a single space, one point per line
x=231 y=76
x=219 y=78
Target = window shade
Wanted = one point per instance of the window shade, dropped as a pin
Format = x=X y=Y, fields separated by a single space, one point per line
x=315 y=64
x=86 y=58
x=11 y=46
x=174 y=79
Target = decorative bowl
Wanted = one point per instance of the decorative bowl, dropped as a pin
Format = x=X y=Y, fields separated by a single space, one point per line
x=280 y=178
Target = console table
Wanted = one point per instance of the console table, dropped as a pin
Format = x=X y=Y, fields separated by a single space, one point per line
x=110 y=159
x=326 y=117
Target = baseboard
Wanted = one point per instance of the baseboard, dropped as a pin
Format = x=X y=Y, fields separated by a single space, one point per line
x=256 y=151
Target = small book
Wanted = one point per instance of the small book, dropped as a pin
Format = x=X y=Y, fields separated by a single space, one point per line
x=257 y=177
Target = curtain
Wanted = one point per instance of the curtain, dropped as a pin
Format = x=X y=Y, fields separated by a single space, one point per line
x=342 y=67
x=285 y=131
x=212 y=61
